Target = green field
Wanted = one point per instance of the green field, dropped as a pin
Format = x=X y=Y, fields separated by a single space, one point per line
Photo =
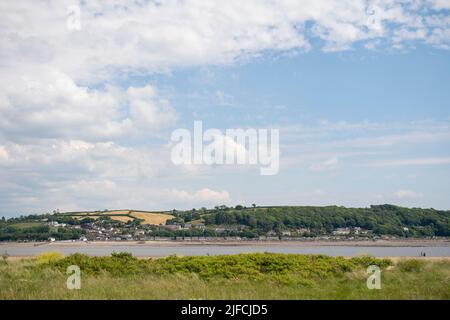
x=24 y=225
x=244 y=276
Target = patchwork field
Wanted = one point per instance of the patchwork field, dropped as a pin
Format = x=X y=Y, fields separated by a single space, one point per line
x=123 y=219
x=151 y=218
x=125 y=216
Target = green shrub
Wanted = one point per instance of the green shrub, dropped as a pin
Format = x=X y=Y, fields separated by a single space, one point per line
x=413 y=265
x=119 y=264
x=48 y=257
x=279 y=267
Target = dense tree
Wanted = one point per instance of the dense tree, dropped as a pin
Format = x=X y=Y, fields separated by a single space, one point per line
x=250 y=222
x=380 y=219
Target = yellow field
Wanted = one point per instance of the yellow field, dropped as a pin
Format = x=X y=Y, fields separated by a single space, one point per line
x=152 y=218
x=124 y=219
x=148 y=217
x=95 y=215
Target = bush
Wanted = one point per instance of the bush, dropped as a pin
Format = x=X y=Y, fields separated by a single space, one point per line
x=413 y=265
x=49 y=257
x=243 y=266
x=119 y=264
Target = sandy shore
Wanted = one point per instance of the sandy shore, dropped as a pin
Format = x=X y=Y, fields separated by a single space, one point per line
x=162 y=243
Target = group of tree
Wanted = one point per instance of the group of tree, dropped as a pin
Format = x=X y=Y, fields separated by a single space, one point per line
x=252 y=221
x=37 y=233
x=379 y=219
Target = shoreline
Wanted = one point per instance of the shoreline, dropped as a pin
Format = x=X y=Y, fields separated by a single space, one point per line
x=298 y=243
x=394 y=259
x=164 y=248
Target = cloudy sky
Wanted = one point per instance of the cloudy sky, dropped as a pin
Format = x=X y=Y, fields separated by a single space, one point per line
x=360 y=91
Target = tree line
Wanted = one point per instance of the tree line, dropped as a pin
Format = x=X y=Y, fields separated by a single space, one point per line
x=379 y=219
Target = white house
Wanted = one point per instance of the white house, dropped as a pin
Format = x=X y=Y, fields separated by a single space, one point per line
x=341 y=231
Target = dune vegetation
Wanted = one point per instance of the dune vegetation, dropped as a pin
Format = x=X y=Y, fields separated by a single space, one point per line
x=243 y=276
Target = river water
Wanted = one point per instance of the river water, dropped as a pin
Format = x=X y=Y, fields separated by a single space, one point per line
x=199 y=250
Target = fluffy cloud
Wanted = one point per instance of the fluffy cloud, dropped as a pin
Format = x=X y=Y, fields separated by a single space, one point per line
x=81 y=158
x=407 y=194
x=4 y=154
x=69 y=132
x=124 y=195
x=42 y=102
x=145 y=112
x=204 y=196
x=80 y=175
x=102 y=193
x=440 y=4
x=122 y=36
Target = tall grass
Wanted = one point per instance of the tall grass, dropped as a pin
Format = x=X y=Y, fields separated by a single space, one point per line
x=245 y=276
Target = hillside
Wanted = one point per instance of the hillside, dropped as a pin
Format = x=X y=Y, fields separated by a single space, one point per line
x=329 y=222
x=316 y=220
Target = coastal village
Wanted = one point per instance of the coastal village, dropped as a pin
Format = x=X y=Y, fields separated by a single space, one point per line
x=230 y=223
x=106 y=230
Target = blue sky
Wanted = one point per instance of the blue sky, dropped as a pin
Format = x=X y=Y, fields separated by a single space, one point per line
x=350 y=86
x=402 y=95
x=358 y=89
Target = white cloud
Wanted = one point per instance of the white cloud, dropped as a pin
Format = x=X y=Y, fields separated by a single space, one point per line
x=146 y=112
x=412 y=162
x=407 y=194
x=64 y=125
x=327 y=140
x=81 y=175
x=440 y=4
x=439 y=37
x=45 y=103
x=224 y=100
x=4 y=155
x=330 y=164
x=81 y=158
x=394 y=139
x=73 y=175
x=103 y=193
x=203 y=196
x=122 y=36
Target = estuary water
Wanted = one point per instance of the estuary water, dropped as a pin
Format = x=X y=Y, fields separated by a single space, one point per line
x=14 y=249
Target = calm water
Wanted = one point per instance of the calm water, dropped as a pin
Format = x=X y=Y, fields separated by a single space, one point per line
x=198 y=250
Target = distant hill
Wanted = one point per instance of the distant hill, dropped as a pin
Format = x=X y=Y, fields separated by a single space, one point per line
x=318 y=220
x=330 y=222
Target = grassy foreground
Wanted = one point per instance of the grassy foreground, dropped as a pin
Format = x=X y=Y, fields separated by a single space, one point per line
x=243 y=276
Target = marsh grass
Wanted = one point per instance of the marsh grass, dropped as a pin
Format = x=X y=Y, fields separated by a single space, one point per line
x=252 y=276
